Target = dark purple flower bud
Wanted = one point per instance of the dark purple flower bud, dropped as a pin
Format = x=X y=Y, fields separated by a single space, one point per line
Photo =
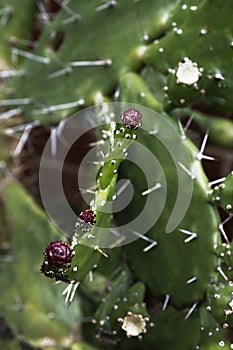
x=132 y=118
x=87 y=216
x=58 y=253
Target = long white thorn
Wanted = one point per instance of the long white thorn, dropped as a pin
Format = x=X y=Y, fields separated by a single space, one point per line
x=147 y=239
x=61 y=72
x=97 y=163
x=6 y=74
x=43 y=12
x=200 y=155
x=15 y=102
x=154 y=188
x=123 y=187
x=69 y=291
x=116 y=233
x=18 y=128
x=191 y=280
x=117 y=93
x=216 y=181
x=119 y=240
x=106 y=62
x=71 y=19
x=60 y=127
x=192 y=235
x=100 y=251
x=166 y=301
x=193 y=307
x=193 y=177
x=30 y=56
x=67 y=9
x=203 y=145
x=219 y=269
x=150 y=246
x=96 y=143
x=54 y=108
x=91 y=276
x=105 y=6
x=25 y=42
x=183 y=136
x=60 y=136
x=53 y=136
x=74 y=291
x=11 y=113
x=23 y=139
x=103 y=155
x=5 y=13
x=207 y=157
x=189 y=121
x=87 y=190
x=221 y=227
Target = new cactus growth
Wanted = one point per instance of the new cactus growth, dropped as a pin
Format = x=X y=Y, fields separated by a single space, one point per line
x=58 y=253
x=157 y=272
x=222 y=194
x=131 y=118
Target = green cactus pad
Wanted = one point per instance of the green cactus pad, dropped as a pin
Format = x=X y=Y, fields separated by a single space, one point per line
x=98 y=64
x=195 y=55
x=16 y=26
x=31 y=305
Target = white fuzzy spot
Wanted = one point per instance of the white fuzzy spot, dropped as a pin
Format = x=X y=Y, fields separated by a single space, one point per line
x=188 y=73
x=219 y=76
x=193 y=8
x=134 y=324
x=204 y=31
x=231 y=305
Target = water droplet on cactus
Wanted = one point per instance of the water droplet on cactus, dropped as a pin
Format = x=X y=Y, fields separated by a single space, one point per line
x=132 y=118
x=58 y=253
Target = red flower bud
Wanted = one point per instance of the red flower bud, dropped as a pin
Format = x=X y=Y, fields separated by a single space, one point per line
x=87 y=216
x=132 y=118
x=58 y=253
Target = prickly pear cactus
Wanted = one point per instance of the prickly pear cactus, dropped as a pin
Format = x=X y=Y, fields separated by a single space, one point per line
x=147 y=66
x=174 y=287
